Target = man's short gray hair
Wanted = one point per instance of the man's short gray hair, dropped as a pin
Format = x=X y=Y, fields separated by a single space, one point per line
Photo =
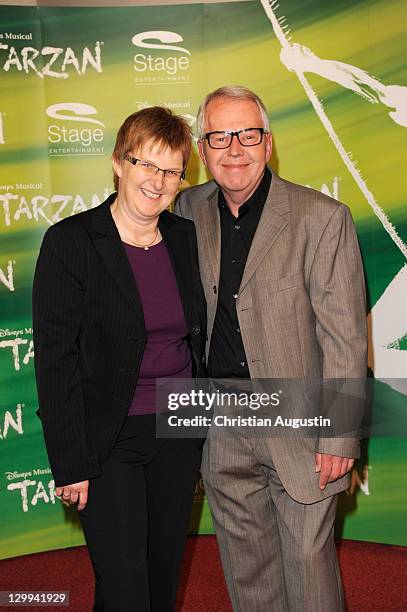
x=233 y=92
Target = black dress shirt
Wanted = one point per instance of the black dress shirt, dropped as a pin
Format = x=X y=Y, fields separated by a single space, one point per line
x=227 y=358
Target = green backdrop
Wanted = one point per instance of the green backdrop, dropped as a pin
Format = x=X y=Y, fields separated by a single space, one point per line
x=333 y=76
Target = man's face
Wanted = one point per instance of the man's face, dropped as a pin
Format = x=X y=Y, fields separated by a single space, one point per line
x=237 y=170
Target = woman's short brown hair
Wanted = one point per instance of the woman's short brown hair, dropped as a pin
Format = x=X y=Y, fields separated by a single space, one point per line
x=156 y=124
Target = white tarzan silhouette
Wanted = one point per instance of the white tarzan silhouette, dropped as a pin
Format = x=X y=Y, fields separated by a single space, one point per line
x=387 y=317
x=297 y=58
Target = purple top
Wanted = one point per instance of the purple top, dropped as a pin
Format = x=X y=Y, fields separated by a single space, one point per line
x=167 y=352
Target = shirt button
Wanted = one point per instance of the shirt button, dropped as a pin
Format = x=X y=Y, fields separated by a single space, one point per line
x=237 y=330
x=236 y=226
x=242 y=363
x=233 y=260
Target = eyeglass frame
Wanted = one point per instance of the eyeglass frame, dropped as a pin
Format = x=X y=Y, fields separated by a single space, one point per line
x=133 y=160
x=262 y=131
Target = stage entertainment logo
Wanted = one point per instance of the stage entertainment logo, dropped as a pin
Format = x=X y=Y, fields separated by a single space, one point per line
x=171 y=66
x=67 y=137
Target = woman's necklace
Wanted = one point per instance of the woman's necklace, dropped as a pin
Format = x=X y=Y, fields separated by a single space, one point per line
x=143 y=246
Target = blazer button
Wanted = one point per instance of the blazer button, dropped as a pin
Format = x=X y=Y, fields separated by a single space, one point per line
x=196 y=329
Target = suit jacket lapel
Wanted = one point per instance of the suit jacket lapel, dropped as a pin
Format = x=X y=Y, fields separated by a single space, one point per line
x=208 y=222
x=108 y=243
x=274 y=219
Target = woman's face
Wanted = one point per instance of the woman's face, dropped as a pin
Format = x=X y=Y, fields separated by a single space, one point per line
x=142 y=195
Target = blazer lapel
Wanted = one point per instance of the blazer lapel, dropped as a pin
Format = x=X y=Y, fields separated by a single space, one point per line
x=179 y=255
x=274 y=219
x=208 y=222
x=108 y=243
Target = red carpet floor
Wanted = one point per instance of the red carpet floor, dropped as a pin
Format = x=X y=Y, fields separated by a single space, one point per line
x=374 y=576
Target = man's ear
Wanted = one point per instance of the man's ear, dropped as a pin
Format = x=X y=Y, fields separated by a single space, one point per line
x=201 y=151
x=269 y=146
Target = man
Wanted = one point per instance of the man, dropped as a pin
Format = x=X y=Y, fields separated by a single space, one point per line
x=284 y=285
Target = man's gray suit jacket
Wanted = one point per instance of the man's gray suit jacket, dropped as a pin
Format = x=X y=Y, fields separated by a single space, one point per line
x=301 y=306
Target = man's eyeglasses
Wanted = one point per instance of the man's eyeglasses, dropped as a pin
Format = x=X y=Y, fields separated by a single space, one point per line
x=149 y=169
x=247 y=138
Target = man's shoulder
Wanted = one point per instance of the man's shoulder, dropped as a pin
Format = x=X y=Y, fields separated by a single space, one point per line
x=189 y=199
x=198 y=192
x=311 y=202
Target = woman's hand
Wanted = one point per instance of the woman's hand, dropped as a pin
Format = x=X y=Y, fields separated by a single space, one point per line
x=74 y=493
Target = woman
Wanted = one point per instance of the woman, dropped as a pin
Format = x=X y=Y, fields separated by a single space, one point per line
x=117 y=303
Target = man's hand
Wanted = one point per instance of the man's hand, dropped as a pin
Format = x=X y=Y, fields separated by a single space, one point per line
x=74 y=493
x=331 y=467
